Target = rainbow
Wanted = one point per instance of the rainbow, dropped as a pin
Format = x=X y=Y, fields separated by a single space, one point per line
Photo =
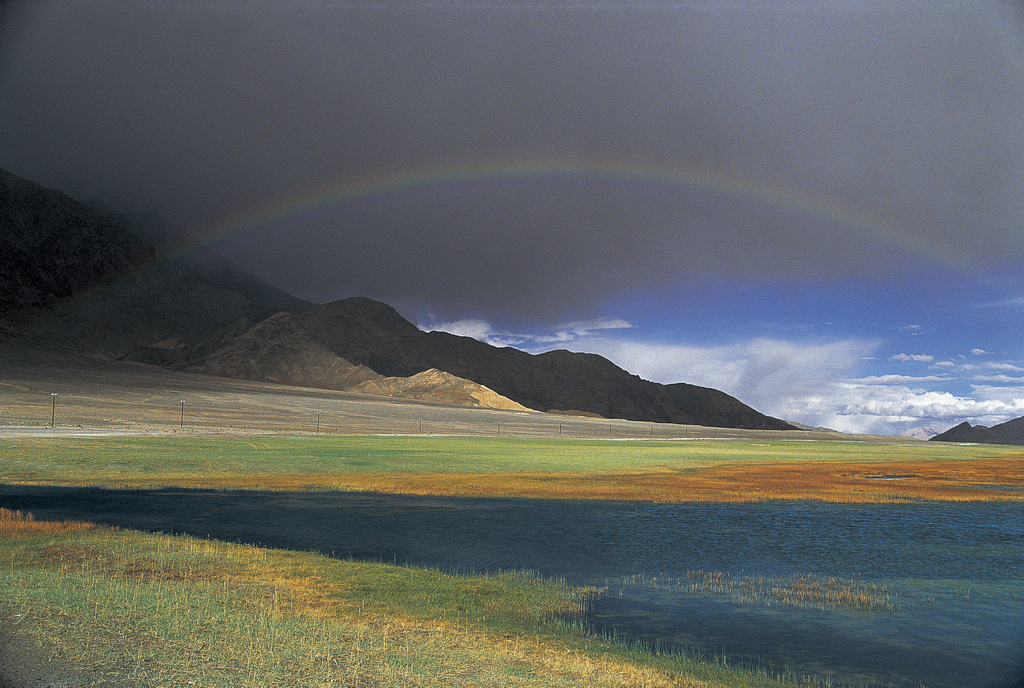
x=452 y=175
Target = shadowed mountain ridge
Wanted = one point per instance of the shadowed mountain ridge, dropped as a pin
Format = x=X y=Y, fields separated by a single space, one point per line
x=54 y=247
x=79 y=276
x=373 y=334
x=1010 y=432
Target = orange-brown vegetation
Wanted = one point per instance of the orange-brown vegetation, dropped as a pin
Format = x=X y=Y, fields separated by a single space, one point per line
x=991 y=479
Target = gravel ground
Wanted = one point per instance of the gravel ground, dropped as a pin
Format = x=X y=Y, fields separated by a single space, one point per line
x=79 y=395
x=25 y=662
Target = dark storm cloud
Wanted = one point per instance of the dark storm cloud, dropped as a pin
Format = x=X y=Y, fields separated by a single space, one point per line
x=909 y=115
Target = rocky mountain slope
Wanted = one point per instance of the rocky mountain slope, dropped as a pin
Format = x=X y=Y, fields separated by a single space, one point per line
x=1010 y=432
x=280 y=350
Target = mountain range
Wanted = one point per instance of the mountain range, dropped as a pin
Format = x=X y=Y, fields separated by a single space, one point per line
x=1010 y=432
x=78 y=277
x=356 y=328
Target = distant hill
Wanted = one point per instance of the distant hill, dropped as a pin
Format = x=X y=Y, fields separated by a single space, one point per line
x=1010 y=432
x=925 y=433
x=373 y=334
x=438 y=386
x=280 y=350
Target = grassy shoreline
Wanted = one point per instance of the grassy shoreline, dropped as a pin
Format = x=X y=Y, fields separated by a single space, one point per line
x=155 y=610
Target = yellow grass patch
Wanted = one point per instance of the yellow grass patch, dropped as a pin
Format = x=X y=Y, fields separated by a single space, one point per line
x=13 y=523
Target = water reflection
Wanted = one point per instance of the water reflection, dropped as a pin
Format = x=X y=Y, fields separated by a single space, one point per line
x=957 y=570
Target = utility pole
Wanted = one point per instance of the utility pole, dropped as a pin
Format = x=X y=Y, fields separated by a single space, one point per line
x=53 y=408
x=181 y=425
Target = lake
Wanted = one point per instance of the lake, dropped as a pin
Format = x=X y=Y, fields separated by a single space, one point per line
x=899 y=595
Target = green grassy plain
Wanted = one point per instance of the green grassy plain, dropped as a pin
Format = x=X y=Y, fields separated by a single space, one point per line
x=182 y=457
x=695 y=470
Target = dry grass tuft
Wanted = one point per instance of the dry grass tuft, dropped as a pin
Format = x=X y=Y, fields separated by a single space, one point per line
x=797 y=590
x=14 y=523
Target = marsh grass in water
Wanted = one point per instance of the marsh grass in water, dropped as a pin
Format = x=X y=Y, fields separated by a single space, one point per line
x=797 y=590
x=157 y=610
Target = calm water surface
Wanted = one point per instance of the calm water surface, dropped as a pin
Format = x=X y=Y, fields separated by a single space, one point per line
x=954 y=572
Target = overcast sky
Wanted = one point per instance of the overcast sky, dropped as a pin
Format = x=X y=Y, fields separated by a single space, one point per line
x=815 y=206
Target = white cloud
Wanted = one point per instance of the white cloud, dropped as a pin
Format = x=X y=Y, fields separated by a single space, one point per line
x=568 y=332
x=581 y=327
x=1004 y=366
x=1000 y=378
x=483 y=331
x=554 y=338
x=477 y=329
x=978 y=352
x=944 y=364
x=994 y=396
x=1012 y=302
x=896 y=379
x=881 y=409
x=920 y=358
